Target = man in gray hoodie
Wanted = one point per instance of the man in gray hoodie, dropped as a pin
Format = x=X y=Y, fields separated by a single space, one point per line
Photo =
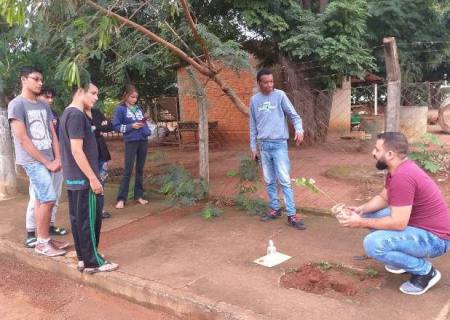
x=269 y=109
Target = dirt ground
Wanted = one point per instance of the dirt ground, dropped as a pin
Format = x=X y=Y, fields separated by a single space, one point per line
x=213 y=259
x=28 y=293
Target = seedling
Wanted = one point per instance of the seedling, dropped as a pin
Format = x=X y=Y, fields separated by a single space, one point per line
x=311 y=185
x=210 y=212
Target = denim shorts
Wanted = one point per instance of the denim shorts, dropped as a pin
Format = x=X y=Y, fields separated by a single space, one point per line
x=41 y=179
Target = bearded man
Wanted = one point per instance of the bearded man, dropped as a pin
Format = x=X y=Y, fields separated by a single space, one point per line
x=409 y=219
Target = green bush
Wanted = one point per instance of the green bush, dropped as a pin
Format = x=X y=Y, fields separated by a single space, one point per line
x=178 y=185
x=254 y=206
x=248 y=170
x=430 y=154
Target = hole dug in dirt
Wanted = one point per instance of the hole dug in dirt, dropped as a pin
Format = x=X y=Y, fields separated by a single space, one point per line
x=329 y=278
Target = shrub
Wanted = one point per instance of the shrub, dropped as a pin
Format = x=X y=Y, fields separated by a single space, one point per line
x=255 y=206
x=178 y=185
x=430 y=154
x=248 y=170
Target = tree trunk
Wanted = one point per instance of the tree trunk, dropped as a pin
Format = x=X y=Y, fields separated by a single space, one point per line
x=392 y=116
x=8 y=182
x=322 y=5
x=203 y=129
x=306 y=4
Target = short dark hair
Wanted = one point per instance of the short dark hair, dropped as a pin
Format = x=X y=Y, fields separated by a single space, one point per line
x=263 y=72
x=27 y=70
x=85 y=87
x=48 y=90
x=395 y=141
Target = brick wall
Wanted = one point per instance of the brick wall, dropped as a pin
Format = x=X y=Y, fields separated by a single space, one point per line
x=232 y=124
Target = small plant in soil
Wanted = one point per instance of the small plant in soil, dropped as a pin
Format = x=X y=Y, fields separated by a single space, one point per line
x=232 y=173
x=248 y=176
x=248 y=170
x=210 y=212
x=254 y=206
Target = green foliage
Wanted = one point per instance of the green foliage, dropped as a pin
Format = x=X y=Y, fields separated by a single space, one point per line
x=229 y=53
x=14 y=11
x=178 y=185
x=210 y=212
x=232 y=173
x=108 y=105
x=430 y=154
x=421 y=29
x=248 y=170
x=254 y=206
x=307 y=183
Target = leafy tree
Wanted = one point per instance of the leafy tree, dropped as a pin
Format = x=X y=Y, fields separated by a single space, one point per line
x=422 y=31
x=119 y=41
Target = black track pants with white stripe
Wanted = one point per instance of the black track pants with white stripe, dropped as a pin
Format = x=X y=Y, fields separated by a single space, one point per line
x=86 y=221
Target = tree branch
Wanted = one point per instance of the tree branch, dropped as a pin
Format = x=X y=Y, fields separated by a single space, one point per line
x=231 y=94
x=175 y=50
x=197 y=36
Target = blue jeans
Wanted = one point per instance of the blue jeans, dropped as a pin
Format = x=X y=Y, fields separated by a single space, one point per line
x=57 y=181
x=406 y=249
x=41 y=179
x=135 y=151
x=276 y=167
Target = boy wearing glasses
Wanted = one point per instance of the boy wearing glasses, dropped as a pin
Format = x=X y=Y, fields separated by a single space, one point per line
x=47 y=95
x=37 y=151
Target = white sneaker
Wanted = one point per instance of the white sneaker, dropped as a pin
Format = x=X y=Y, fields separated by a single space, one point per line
x=48 y=249
x=106 y=267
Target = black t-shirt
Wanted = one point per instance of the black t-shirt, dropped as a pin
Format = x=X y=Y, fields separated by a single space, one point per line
x=74 y=124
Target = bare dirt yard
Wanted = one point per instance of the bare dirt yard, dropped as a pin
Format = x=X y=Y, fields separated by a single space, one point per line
x=28 y=293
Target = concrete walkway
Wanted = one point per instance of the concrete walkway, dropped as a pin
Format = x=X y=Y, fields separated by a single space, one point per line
x=202 y=269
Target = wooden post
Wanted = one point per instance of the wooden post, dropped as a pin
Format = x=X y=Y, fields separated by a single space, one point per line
x=429 y=100
x=203 y=129
x=392 y=114
x=8 y=181
x=375 y=99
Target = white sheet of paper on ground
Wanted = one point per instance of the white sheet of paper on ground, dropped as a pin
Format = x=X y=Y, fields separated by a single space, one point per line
x=273 y=259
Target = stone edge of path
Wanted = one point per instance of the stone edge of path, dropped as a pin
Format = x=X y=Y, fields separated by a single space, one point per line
x=142 y=291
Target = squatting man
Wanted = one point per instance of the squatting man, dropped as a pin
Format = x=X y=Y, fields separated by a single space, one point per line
x=409 y=220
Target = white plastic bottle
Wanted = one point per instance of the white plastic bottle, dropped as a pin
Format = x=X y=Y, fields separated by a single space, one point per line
x=271 y=249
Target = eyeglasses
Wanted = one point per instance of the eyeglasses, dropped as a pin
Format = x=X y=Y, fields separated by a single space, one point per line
x=37 y=79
